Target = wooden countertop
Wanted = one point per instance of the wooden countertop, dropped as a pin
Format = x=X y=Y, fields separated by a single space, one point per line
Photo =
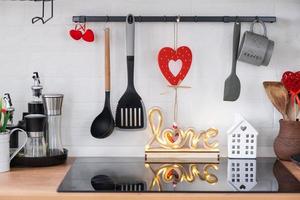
x=42 y=183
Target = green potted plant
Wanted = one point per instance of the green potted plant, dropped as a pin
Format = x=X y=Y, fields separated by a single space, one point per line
x=5 y=158
x=4 y=116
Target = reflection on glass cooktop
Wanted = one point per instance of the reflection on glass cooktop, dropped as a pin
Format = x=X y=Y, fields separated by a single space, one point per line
x=134 y=175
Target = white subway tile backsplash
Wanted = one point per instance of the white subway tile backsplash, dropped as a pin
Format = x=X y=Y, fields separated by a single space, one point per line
x=76 y=68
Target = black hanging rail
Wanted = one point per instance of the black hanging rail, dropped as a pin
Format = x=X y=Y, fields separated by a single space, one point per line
x=225 y=19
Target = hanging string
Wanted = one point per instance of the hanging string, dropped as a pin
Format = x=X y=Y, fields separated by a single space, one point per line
x=175 y=106
x=176 y=91
x=176 y=32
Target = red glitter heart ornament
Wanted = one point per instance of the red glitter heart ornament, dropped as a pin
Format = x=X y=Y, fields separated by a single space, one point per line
x=167 y=54
x=75 y=34
x=88 y=36
x=291 y=82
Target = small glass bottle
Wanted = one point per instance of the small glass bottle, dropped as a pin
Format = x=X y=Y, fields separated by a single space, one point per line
x=36 y=105
x=53 y=110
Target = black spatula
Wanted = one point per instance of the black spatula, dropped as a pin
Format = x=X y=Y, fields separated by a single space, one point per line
x=232 y=87
x=130 y=109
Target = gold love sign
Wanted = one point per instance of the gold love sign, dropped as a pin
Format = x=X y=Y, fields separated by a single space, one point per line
x=175 y=137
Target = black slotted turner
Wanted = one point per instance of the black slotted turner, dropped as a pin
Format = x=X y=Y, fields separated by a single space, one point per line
x=130 y=109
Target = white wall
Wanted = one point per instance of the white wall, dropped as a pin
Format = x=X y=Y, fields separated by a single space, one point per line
x=77 y=68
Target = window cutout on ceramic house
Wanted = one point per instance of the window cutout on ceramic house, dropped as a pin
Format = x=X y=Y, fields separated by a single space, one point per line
x=242 y=137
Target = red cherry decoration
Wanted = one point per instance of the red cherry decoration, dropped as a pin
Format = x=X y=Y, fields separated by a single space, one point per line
x=167 y=54
x=88 y=36
x=75 y=34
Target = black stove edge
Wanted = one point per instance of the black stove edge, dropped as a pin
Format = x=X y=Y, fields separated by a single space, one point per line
x=287 y=173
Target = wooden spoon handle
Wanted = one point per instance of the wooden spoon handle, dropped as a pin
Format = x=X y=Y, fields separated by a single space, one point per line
x=107 y=60
x=291 y=111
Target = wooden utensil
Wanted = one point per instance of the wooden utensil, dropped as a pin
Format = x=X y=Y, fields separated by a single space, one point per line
x=279 y=96
x=104 y=123
x=232 y=87
x=130 y=110
x=291 y=111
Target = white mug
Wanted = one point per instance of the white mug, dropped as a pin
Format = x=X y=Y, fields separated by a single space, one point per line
x=5 y=158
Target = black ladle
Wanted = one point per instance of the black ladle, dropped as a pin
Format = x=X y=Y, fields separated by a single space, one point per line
x=104 y=123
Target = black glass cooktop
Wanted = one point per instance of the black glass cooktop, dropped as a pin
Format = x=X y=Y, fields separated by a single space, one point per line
x=134 y=175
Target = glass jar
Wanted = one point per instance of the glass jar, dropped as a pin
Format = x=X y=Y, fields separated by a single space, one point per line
x=35 y=146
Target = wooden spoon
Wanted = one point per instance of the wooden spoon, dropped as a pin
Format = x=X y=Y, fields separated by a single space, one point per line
x=279 y=96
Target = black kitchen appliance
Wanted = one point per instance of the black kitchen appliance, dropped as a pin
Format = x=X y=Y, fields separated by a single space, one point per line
x=116 y=175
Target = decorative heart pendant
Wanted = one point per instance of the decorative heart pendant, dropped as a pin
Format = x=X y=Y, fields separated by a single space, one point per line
x=167 y=54
x=88 y=36
x=75 y=34
x=172 y=137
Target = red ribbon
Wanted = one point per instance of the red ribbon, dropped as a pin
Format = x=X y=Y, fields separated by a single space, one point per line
x=294 y=95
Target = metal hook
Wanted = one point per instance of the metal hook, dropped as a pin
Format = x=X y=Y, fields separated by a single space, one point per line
x=106 y=22
x=82 y=19
x=176 y=32
x=165 y=18
x=138 y=19
x=195 y=18
x=36 y=19
x=178 y=19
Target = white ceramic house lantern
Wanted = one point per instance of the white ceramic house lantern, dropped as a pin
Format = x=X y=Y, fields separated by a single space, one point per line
x=241 y=174
x=242 y=139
